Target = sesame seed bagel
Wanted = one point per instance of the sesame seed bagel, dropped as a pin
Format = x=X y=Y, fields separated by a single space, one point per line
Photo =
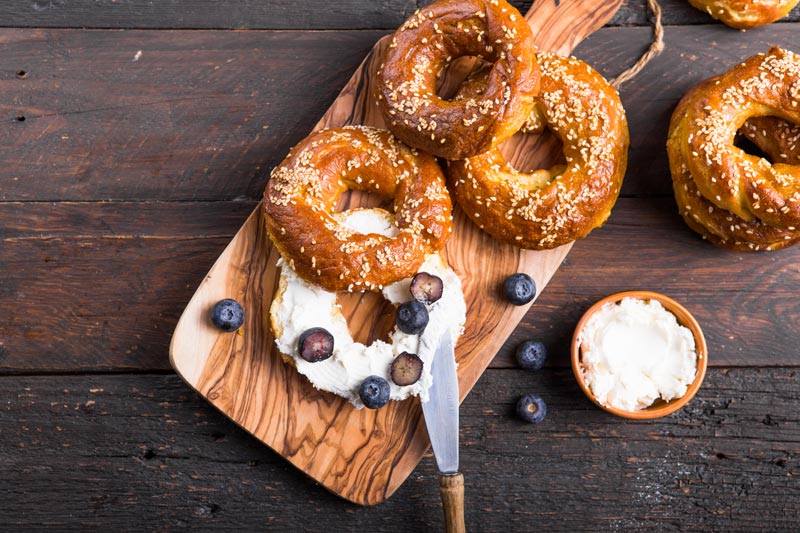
x=745 y=14
x=302 y=195
x=420 y=51
x=746 y=185
x=719 y=226
x=547 y=208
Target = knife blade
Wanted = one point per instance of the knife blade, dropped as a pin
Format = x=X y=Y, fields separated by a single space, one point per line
x=441 y=418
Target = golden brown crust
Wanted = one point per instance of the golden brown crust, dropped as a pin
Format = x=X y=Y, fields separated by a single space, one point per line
x=423 y=47
x=717 y=225
x=548 y=208
x=721 y=227
x=744 y=184
x=303 y=190
x=745 y=14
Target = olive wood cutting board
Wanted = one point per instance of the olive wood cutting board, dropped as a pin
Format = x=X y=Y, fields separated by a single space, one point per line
x=363 y=456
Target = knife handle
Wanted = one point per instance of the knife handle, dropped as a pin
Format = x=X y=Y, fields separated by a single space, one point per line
x=451 y=487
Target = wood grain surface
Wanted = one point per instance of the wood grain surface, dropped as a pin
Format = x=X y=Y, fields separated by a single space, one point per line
x=363 y=455
x=277 y=14
x=191 y=118
x=145 y=452
x=103 y=442
x=99 y=287
x=202 y=115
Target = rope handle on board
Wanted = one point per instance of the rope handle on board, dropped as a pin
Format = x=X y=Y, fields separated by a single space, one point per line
x=656 y=46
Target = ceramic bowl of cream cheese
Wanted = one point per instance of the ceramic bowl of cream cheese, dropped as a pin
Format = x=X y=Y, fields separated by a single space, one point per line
x=639 y=355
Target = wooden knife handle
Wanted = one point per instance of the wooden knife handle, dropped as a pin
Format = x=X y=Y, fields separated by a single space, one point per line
x=451 y=487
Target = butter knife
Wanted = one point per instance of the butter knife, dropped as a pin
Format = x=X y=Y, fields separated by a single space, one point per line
x=441 y=418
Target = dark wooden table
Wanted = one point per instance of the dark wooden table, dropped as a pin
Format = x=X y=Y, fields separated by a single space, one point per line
x=139 y=135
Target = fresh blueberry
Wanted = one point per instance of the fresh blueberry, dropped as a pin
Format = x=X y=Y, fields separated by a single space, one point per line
x=426 y=288
x=531 y=355
x=412 y=317
x=315 y=345
x=227 y=315
x=531 y=408
x=374 y=392
x=406 y=369
x=519 y=288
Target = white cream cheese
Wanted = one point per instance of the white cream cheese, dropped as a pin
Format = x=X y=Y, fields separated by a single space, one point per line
x=299 y=305
x=635 y=352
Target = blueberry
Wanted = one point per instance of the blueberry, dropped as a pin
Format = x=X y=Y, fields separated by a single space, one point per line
x=406 y=369
x=227 y=315
x=315 y=345
x=519 y=288
x=412 y=317
x=531 y=408
x=426 y=288
x=374 y=392
x=531 y=355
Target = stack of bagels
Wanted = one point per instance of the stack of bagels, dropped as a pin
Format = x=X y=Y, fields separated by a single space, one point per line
x=733 y=198
x=515 y=89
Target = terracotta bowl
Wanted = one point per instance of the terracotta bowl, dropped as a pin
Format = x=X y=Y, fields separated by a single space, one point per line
x=659 y=408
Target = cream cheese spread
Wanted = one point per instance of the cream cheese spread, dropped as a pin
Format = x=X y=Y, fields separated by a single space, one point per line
x=299 y=305
x=634 y=352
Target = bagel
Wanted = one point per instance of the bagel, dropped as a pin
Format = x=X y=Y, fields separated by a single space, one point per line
x=302 y=194
x=745 y=14
x=746 y=185
x=547 y=208
x=719 y=226
x=298 y=306
x=420 y=51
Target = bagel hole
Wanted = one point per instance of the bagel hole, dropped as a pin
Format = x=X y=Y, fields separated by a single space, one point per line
x=789 y=133
x=747 y=146
x=527 y=152
x=366 y=328
x=452 y=76
x=375 y=325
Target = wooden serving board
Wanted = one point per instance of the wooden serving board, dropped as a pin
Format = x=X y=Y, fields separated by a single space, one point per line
x=365 y=455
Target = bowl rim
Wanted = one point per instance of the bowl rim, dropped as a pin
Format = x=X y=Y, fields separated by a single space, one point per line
x=687 y=320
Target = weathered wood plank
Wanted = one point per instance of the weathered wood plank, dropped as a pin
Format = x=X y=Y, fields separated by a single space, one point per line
x=122 y=220
x=71 y=304
x=100 y=286
x=205 y=115
x=145 y=452
x=161 y=115
x=274 y=15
